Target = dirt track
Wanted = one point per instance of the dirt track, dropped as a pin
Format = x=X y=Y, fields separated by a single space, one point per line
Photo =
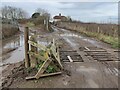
x=84 y=73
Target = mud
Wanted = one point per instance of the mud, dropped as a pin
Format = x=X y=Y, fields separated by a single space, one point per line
x=12 y=72
x=87 y=74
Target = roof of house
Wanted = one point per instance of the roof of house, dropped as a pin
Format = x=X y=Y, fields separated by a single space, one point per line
x=59 y=17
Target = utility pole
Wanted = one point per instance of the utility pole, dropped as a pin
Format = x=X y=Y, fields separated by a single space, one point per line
x=46 y=23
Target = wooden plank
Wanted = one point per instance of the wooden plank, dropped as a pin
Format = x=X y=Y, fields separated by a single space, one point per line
x=44 y=75
x=116 y=50
x=43 y=68
x=50 y=74
x=87 y=48
x=70 y=59
x=70 y=54
x=58 y=55
x=68 y=51
x=104 y=59
x=53 y=50
x=99 y=54
x=30 y=77
x=33 y=60
x=95 y=50
x=37 y=45
x=37 y=56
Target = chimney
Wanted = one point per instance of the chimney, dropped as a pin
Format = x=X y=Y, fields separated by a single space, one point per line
x=59 y=14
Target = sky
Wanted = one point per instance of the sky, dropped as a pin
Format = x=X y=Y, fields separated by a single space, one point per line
x=94 y=11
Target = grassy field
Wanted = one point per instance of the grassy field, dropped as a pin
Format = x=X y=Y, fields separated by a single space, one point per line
x=114 y=41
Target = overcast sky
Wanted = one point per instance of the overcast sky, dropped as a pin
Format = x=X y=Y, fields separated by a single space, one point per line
x=94 y=11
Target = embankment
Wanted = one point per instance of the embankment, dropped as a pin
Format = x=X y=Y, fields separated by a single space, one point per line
x=9 y=28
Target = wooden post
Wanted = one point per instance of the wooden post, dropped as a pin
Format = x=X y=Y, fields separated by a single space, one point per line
x=98 y=30
x=33 y=61
x=26 y=37
x=47 y=24
x=114 y=35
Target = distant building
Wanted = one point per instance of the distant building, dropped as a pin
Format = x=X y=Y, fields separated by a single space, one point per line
x=59 y=18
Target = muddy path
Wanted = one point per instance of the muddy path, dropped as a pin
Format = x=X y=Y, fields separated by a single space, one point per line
x=84 y=72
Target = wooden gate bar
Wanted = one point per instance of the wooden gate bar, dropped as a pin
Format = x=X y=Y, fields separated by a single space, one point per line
x=37 y=45
x=33 y=61
x=43 y=68
x=37 y=56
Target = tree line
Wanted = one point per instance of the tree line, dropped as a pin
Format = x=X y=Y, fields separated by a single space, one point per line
x=9 y=12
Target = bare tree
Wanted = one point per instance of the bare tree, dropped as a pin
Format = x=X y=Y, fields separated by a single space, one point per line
x=4 y=11
x=69 y=18
x=43 y=12
x=13 y=13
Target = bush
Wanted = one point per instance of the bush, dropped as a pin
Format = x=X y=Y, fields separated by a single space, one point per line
x=38 y=21
x=30 y=24
x=9 y=30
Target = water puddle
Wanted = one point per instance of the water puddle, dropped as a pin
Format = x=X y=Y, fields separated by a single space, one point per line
x=67 y=37
x=70 y=42
x=70 y=35
x=95 y=43
x=92 y=83
x=17 y=41
x=17 y=55
x=86 y=69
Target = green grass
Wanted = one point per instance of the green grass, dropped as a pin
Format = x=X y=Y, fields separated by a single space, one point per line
x=107 y=39
x=30 y=24
x=50 y=68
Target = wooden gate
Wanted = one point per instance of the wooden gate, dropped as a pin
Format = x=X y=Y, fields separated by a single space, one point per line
x=44 y=56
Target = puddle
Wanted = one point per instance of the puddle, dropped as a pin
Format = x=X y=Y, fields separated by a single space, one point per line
x=85 y=69
x=70 y=42
x=16 y=55
x=92 y=84
x=95 y=43
x=17 y=41
x=67 y=36
x=75 y=35
x=70 y=35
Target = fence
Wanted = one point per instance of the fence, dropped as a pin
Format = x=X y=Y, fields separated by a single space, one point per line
x=106 y=29
x=43 y=56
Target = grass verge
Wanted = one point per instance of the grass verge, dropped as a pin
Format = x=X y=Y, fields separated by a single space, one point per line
x=114 y=41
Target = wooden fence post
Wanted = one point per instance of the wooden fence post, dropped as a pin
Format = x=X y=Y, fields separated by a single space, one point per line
x=26 y=37
x=114 y=35
x=33 y=60
x=98 y=30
